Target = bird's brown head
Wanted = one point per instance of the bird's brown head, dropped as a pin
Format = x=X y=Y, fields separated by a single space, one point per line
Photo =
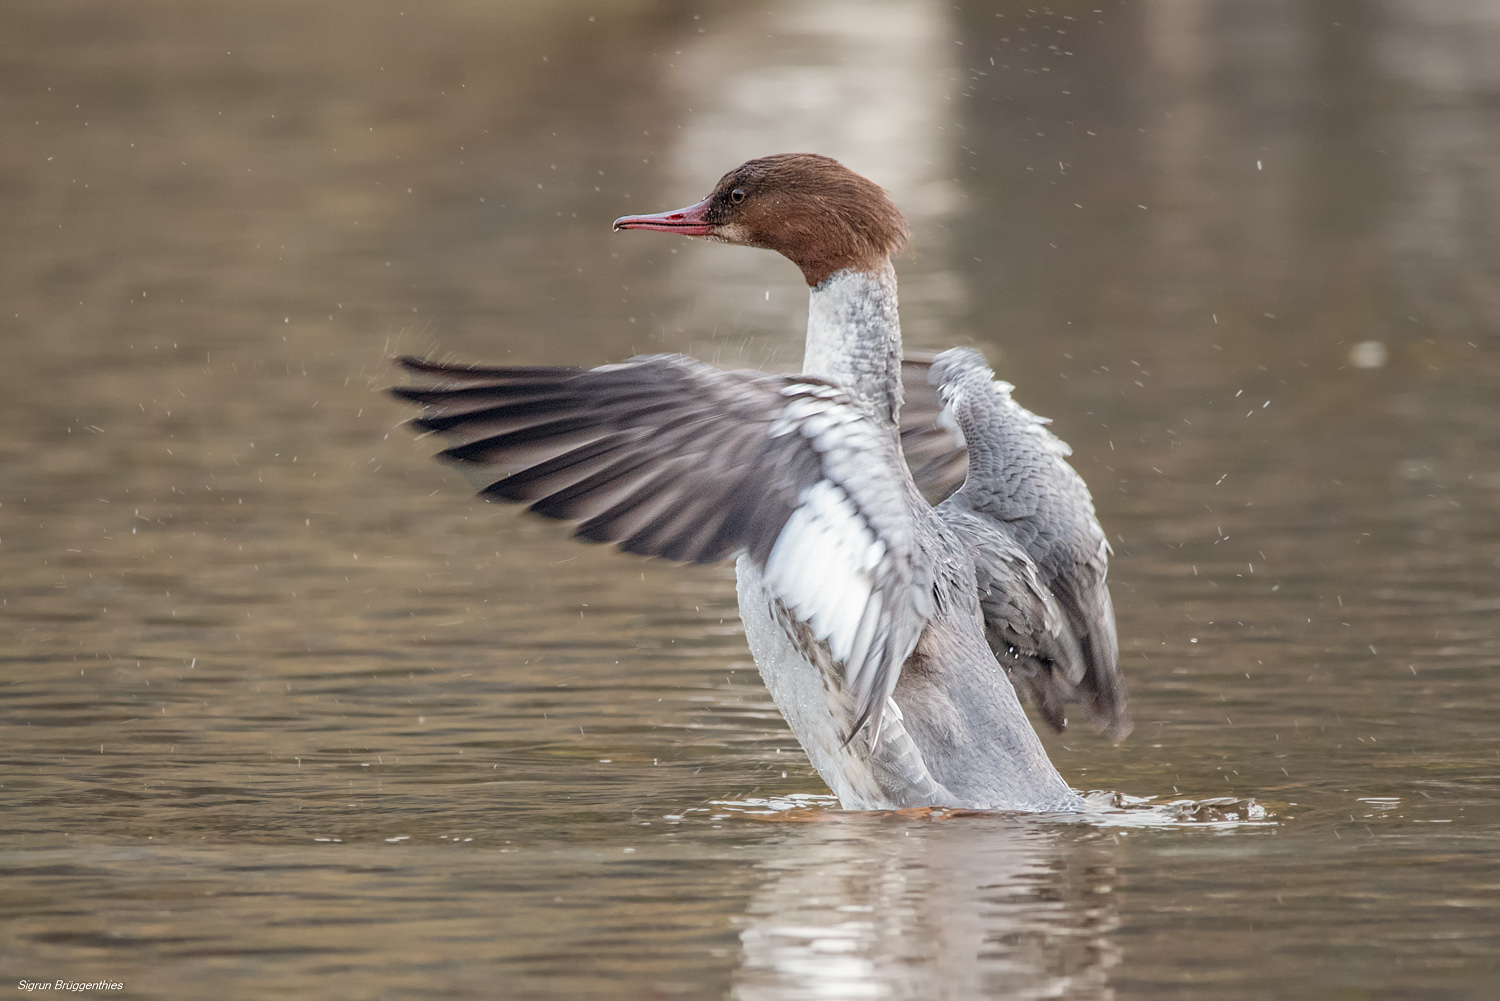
x=814 y=211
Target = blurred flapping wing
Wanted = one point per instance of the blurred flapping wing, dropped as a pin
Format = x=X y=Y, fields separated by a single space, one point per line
x=930 y=437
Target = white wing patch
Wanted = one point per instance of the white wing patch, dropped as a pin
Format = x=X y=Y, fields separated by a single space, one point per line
x=833 y=566
x=813 y=411
x=822 y=567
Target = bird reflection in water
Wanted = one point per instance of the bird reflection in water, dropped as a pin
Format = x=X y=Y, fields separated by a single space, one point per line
x=885 y=906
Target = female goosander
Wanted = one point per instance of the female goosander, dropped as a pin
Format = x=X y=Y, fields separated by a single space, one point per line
x=866 y=607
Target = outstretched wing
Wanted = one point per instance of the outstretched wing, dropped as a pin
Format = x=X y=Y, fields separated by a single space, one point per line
x=666 y=456
x=1019 y=484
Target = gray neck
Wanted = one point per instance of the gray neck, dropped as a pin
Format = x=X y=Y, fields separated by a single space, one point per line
x=854 y=336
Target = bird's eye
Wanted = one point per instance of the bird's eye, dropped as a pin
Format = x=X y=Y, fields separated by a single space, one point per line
x=737 y=195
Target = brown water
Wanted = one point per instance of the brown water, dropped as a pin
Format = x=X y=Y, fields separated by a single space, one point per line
x=287 y=713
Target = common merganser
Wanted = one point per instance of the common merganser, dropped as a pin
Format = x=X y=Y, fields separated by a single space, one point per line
x=866 y=607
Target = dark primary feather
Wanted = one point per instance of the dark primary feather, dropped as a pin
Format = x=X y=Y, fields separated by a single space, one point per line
x=1021 y=492
x=669 y=457
x=656 y=455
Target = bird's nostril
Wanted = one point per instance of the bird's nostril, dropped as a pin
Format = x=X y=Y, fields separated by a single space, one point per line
x=675 y=215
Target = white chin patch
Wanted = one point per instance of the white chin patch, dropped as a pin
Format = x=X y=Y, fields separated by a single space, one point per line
x=731 y=233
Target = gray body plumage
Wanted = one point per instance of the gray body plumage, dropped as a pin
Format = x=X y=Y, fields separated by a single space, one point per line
x=867 y=610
